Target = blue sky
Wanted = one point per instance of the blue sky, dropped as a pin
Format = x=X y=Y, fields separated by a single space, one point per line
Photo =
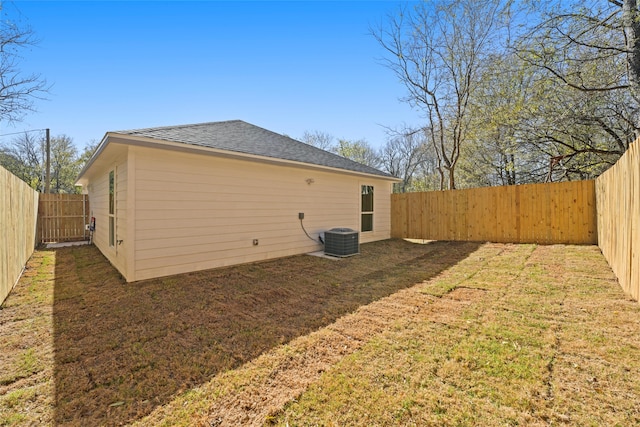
x=285 y=66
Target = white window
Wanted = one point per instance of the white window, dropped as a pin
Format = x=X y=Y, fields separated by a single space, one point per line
x=366 y=216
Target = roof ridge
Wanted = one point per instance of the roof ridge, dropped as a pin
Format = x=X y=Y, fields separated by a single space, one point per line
x=133 y=131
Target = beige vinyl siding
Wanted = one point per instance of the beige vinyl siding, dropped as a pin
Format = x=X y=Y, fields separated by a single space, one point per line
x=99 y=202
x=195 y=212
x=381 y=211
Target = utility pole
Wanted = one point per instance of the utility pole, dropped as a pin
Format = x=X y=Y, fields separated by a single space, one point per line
x=47 y=181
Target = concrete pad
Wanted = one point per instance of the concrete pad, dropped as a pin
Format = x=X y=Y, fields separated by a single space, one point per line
x=65 y=244
x=321 y=254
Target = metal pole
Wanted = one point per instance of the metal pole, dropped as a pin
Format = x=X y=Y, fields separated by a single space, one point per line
x=47 y=181
x=84 y=218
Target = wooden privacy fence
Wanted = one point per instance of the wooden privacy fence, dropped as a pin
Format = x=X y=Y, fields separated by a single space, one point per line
x=533 y=213
x=62 y=217
x=618 y=201
x=18 y=216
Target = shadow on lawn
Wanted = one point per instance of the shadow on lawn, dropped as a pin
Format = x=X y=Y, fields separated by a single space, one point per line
x=123 y=349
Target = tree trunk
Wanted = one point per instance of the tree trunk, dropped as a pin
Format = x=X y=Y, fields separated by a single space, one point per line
x=631 y=24
x=452 y=178
x=509 y=168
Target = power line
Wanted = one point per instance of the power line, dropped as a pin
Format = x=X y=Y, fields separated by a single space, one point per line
x=24 y=131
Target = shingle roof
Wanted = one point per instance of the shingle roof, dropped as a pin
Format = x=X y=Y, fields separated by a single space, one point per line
x=242 y=137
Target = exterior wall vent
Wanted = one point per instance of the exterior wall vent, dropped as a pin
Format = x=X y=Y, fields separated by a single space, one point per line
x=341 y=242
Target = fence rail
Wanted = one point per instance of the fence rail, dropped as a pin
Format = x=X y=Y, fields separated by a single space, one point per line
x=18 y=216
x=532 y=213
x=62 y=217
x=618 y=201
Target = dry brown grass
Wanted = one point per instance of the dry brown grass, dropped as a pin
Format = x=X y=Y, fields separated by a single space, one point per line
x=26 y=347
x=105 y=352
x=547 y=338
x=404 y=334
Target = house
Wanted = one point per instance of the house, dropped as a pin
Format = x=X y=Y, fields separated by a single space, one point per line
x=176 y=199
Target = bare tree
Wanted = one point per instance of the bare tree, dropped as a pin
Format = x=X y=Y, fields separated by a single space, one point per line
x=403 y=155
x=436 y=49
x=587 y=57
x=65 y=165
x=506 y=99
x=88 y=151
x=631 y=28
x=590 y=47
x=24 y=158
x=17 y=90
x=359 y=151
x=318 y=139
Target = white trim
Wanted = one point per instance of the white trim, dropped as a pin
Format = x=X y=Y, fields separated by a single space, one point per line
x=112 y=236
x=130 y=243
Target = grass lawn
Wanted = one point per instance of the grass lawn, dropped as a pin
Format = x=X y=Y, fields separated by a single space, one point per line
x=442 y=333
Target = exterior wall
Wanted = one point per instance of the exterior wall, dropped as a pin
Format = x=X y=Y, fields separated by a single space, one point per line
x=99 y=201
x=382 y=210
x=194 y=211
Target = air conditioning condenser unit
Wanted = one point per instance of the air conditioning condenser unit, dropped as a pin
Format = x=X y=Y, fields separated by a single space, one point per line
x=341 y=242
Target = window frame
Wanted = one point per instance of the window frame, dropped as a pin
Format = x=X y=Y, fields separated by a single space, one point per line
x=367 y=207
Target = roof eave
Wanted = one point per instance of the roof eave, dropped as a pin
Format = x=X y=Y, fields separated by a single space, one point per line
x=92 y=159
x=144 y=141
